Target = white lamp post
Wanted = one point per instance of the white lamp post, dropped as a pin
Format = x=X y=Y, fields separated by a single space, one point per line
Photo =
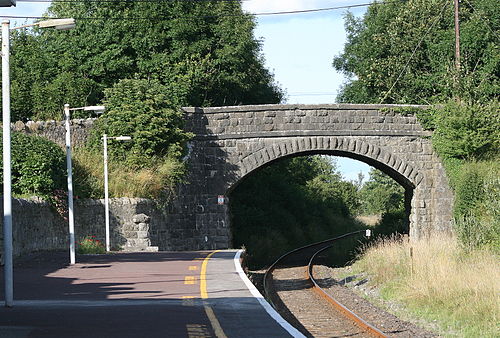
x=71 y=220
x=6 y=153
x=105 y=139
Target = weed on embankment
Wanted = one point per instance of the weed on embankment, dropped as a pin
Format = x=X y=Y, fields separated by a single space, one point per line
x=438 y=279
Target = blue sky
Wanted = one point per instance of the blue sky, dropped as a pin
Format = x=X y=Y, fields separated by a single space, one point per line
x=298 y=49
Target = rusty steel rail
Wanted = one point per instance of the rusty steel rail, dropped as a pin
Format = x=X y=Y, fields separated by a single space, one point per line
x=324 y=245
x=338 y=305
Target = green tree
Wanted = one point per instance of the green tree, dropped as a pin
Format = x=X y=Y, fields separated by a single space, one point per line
x=412 y=42
x=38 y=166
x=381 y=194
x=203 y=52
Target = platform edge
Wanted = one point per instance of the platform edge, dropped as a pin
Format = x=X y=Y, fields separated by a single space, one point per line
x=269 y=309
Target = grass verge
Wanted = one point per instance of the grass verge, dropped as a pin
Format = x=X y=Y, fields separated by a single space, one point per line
x=438 y=280
x=155 y=181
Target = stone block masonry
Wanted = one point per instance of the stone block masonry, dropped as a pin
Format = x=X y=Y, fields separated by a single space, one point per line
x=135 y=225
x=232 y=142
x=55 y=131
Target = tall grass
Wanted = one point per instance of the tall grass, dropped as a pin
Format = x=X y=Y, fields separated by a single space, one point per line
x=156 y=181
x=439 y=280
x=477 y=209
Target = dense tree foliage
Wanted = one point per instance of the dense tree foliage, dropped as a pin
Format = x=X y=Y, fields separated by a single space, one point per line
x=143 y=60
x=419 y=35
x=203 y=52
x=37 y=165
x=381 y=194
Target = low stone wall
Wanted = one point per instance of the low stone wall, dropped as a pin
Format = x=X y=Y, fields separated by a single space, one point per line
x=55 y=131
x=134 y=224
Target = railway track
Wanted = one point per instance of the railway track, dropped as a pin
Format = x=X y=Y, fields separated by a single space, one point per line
x=313 y=310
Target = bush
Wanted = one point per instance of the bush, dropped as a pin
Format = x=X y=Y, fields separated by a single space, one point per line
x=465 y=131
x=393 y=222
x=141 y=109
x=147 y=166
x=156 y=181
x=38 y=165
x=477 y=205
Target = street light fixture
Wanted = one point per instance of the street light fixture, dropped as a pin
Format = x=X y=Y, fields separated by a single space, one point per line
x=6 y=152
x=7 y=3
x=59 y=24
x=71 y=219
x=105 y=139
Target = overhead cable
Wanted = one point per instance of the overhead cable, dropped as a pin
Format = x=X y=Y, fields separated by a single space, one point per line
x=208 y=16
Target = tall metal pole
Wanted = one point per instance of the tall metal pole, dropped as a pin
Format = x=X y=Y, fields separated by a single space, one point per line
x=70 y=187
x=106 y=195
x=7 y=180
x=457 y=36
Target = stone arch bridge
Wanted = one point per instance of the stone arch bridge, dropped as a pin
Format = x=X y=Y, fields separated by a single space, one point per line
x=232 y=142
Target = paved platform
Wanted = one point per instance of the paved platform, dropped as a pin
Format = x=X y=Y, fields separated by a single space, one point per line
x=164 y=294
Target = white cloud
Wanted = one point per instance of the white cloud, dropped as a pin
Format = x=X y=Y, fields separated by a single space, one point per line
x=262 y=6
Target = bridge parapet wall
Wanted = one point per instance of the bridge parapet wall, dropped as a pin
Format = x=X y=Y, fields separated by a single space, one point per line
x=302 y=120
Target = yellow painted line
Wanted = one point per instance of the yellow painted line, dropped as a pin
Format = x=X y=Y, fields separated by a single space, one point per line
x=188 y=297
x=204 y=295
x=190 y=280
x=193 y=268
x=203 y=275
x=215 y=323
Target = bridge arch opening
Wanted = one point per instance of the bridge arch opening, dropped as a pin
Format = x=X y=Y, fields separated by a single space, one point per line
x=265 y=168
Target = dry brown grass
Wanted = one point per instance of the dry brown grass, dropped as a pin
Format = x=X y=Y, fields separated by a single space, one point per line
x=438 y=279
x=124 y=180
x=369 y=220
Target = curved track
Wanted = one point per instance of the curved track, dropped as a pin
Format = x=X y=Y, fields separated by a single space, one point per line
x=320 y=316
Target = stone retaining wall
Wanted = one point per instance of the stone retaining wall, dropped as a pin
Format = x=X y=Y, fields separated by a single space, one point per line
x=37 y=226
x=56 y=130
